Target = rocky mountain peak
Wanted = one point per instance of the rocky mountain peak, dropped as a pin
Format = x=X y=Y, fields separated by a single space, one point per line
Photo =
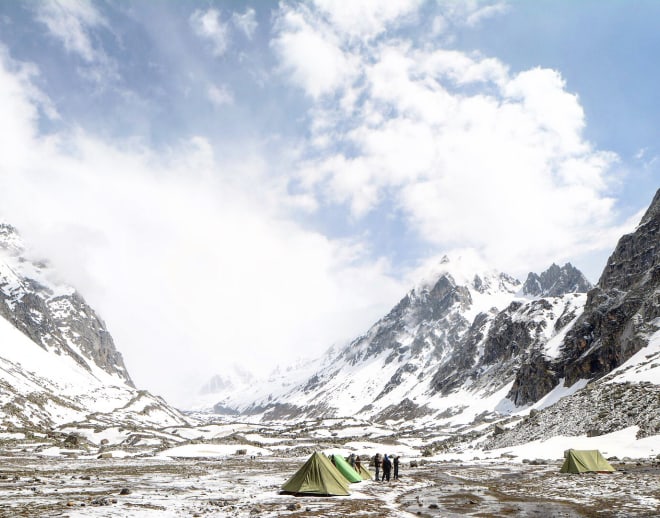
x=556 y=281
x=9 y=238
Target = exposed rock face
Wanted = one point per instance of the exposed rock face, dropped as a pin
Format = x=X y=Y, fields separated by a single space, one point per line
x=460 y=338
x=637 y=255
x=457 y=332
x=58 y=363
x=499 y=345
x=424 y=308
x=556 y=281
x=50 y=313
x=402 y=351
x=618 y=316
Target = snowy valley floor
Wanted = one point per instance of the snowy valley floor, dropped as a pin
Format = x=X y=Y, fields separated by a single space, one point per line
x=242 y=486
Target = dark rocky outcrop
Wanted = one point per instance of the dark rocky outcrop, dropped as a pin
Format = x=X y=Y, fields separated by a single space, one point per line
x=620 y=310
x=446 y=336
x=617 y=319
x=539 y=369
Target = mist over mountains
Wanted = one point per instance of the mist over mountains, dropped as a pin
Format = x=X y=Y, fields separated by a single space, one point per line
x=58 y=362
x=466 y=345
x=469 y=344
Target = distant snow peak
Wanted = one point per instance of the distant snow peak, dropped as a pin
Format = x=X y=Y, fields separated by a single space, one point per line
x=232 y=378
x=465 y=267
x=10 y=241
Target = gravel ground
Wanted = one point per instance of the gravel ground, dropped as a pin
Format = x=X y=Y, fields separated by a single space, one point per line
x=240 y=486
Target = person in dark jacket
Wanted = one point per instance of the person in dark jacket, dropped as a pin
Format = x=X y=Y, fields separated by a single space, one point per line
x=377 y=463
x=395 y=463
x=387 y=467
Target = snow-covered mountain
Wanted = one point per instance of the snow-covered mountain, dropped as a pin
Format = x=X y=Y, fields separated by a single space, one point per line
x=468 y=344
x=58 y=362
x=446 y=340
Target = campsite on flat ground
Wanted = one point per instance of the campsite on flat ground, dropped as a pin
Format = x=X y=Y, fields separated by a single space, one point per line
x=246 y=486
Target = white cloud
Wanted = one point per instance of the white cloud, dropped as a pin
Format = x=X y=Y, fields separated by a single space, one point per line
x=73 y=23
x=19 y=111
x=312 y=55
x=220 y=95
x=366 y=19
x=246 y=22
x=190 y=265
x=70 y=21
x=208 y=25
x=473 y=155
x=480 y=13
x=467 y=13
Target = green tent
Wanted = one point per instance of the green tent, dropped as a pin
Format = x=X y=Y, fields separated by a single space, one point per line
x=317 y=477
x=345 y=469
x=364 y=473
x=584 y=461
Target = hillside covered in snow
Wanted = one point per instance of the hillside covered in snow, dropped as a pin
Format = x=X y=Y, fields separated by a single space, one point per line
x=468 y=346
x=58 y=363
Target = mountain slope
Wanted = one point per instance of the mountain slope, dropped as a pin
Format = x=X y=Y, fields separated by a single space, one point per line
x=618 y=319
x=469 y=344
x=58 y=362
x=464 y=330
x=51 y=313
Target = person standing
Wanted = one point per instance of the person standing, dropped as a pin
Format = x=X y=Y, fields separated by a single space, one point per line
x=387 y=468
x=377 y=465
x=351 y=460
x=358 y=464
x=395 y=463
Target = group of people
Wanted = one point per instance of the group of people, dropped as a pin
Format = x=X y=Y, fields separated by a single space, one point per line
x=387 y=463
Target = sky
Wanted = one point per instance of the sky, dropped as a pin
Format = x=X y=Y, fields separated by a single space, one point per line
x=249 y=183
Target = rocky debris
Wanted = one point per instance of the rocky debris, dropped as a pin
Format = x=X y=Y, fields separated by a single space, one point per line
x=599 y=408
x=498 y=430
x=72 y=441
x=556 y=281
x=103 y=500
